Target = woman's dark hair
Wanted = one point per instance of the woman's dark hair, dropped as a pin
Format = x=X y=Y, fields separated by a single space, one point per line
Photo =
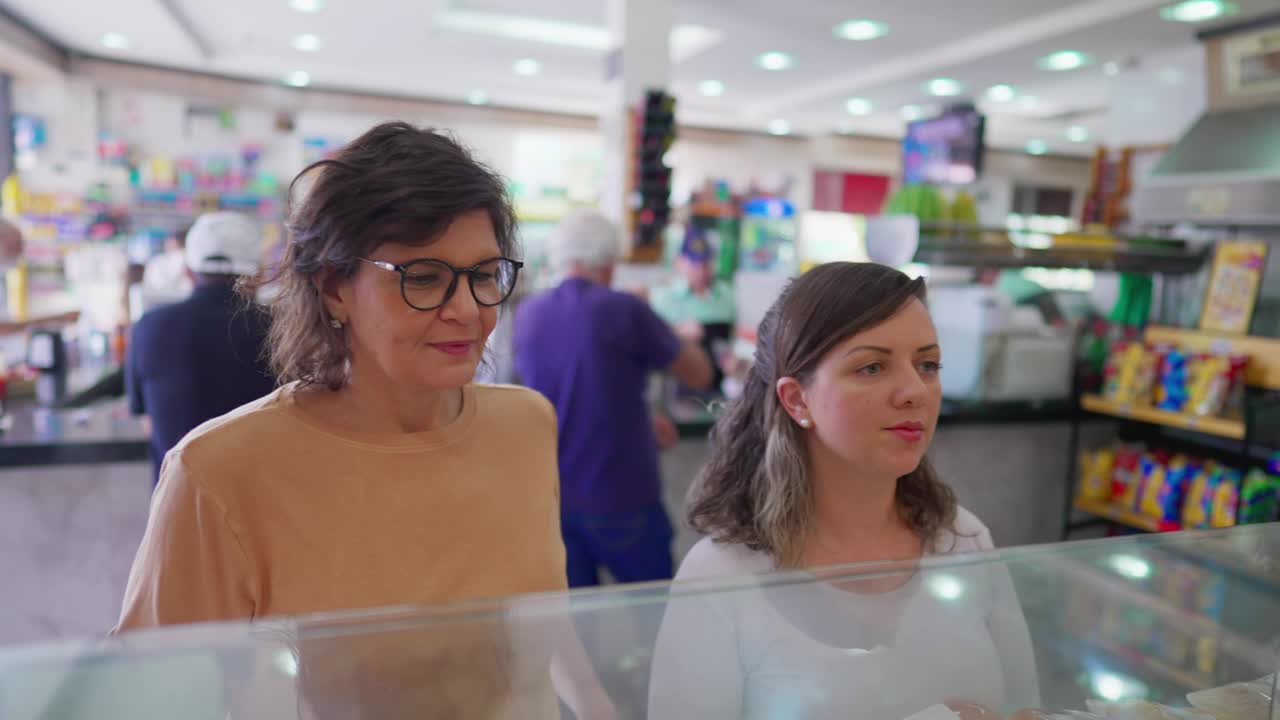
x=756 y=490
x=394 y=184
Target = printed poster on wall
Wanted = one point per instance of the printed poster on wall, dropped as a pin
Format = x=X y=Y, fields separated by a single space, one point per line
x=1233 y=286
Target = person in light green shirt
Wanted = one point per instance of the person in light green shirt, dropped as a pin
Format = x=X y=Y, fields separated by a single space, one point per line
x=695 y=296
x=699 y=306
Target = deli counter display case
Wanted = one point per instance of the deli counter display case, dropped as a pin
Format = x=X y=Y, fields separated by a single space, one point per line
x=1179 y=625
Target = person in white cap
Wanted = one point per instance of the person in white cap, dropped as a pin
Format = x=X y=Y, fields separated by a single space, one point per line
x=203 y=357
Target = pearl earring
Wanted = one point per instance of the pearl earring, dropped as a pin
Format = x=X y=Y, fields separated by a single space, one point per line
x=806 y=423
x=335 y=323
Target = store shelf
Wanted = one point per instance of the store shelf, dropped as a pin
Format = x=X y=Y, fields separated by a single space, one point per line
x=1221 y=427
x=988 y=249
x=1263 y=369
x=1123 y=516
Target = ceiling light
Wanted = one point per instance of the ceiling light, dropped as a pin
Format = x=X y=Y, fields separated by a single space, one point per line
x=115 y=41
x=1198 y=10
x=528 y=67
x=779 y=127
x=1077 y=134
x=944 y=87
x=1029 y=102
x=477 y=97
x=1111 y=68
x=911 y=113
x=858 y=106
x=1130 y=566
x=1063 y=60
x=775 y=60
x=1037 y=147
x=711 y=88
x=298 y=78
x=1000 y=93
x=307 y=6
x=946 y=587
x=861 y=30
x=1115 y=688
x=306 y=42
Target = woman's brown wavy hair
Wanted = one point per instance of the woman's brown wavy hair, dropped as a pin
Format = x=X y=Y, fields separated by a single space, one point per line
x=395 y=183
x=756 y=488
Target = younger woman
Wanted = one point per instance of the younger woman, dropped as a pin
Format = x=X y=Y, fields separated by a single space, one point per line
x=821 y=462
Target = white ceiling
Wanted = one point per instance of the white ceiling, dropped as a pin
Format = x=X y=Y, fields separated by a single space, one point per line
x=416 y=49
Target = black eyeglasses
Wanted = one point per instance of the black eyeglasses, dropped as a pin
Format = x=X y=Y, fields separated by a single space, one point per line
x=427 y=284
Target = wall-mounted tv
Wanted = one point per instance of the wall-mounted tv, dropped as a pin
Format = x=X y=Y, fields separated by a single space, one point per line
x=945 y=150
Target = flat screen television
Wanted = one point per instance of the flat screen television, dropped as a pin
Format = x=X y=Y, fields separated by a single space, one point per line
x=945 y=150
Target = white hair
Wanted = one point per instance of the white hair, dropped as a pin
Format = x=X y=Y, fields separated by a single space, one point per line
x=587 y=238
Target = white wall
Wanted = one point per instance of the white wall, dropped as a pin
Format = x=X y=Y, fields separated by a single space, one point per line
x=1156 y=100
x=148 y=107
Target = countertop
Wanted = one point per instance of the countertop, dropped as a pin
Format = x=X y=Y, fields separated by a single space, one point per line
x=101 y=432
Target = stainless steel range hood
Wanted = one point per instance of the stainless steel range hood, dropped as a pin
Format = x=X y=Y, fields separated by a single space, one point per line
x=1224 y=171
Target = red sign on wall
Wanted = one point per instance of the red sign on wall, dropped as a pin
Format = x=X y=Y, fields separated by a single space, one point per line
x=856 y=193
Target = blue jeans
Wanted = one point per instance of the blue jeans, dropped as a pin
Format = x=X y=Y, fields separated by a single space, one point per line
x=634 y=546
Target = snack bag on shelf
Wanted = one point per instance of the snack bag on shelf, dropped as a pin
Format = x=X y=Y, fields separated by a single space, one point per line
x=1124 y=473
x=1226 y=500
x=1095 y=474
x=1237 y=701
x=1197 y=506
x=1165 y=501
x=1152 y=475
x=1258 y=497
x=1172 y=388
x=1207 y=654
x=1212 y=378
x=1129 y=372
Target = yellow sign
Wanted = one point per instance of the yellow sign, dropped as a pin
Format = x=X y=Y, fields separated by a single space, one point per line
x=1233 y=286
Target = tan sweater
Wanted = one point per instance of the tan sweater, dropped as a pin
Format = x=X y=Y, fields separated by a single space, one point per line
x=265 y=512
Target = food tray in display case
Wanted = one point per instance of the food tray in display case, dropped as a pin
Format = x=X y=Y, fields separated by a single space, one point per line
x=1179 y=625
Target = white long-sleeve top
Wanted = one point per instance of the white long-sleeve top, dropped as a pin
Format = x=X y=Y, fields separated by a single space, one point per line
x=811 y=651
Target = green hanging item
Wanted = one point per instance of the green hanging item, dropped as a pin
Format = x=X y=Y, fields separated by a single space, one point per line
x=1133 y=303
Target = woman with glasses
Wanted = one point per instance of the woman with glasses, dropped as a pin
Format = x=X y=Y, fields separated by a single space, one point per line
x=377 y=474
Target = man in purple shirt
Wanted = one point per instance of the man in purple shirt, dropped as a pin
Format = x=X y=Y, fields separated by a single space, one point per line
x=590 y=350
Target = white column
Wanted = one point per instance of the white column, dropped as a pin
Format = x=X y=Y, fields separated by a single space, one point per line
x=640 y=60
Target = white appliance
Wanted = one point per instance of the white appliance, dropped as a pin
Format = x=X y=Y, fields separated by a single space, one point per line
x=994 y=352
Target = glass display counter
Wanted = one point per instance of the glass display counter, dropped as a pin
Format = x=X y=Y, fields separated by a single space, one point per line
x=1133 y=627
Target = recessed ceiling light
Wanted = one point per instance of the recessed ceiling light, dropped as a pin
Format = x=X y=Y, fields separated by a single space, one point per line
x=307 y=6
x=911 y=113
x=861 y=30
x=477 y=97
x=306 y=42
x=1000 y=93
x=1193 y=11
x=298 y=78
x=115 y=41
x=711 y=88
x=1037 y=147
x=527 y=67
x=779 y=127
x=1063 y=60
x=774 y=60
x=1077 y=134
x=858 y=106
x=944 y=87
x=1111 y=68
